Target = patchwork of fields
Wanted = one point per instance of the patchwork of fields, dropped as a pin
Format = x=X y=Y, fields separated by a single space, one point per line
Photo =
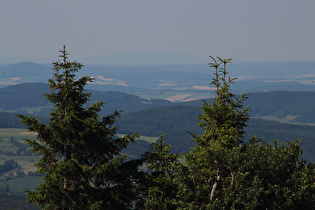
x=23 y=176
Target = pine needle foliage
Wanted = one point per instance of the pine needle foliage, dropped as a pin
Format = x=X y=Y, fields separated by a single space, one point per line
x=223 y=172
x=81 y=160
x=224 y=119
x=160 y=184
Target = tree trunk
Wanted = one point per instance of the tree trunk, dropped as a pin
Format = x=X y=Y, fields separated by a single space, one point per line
x=215 y=185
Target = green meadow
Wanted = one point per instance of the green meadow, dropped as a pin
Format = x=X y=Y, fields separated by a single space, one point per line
x=16 y=133
x=26 y=163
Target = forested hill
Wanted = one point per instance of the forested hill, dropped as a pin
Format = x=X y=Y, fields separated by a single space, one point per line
x=290 y=106
x=150 y=117
x=25 y=97
x=177 y=121
x=174 y=121
x=293 y=106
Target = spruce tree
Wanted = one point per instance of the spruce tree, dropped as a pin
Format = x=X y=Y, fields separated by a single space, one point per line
x=81 y=160
x=223 y=121
x=223 y=172
x=160 y=185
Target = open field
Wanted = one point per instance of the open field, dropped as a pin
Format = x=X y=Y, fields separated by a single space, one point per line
x=34 y=109
x=174 y=95
x=16 y=133
x=21 y=184
x=148 y=139
x=6 y=146
x=25 y=162
x=273 y=118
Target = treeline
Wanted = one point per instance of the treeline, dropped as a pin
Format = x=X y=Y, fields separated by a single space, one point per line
x=271 y=130
x=8 y=166
x=9 y=120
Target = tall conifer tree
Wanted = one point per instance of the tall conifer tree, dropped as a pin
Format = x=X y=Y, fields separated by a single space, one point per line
x=223 y=172
x=81 y=160
x=160 y=185
x=223 y=121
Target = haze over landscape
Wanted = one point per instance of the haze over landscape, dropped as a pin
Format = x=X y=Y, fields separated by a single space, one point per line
x=95 y=31
x=149 y=60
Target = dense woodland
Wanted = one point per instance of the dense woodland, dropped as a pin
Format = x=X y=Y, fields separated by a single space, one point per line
x=212 y=156
x=177 y=120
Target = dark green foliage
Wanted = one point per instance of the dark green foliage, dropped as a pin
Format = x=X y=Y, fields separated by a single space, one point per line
x=80 y=151
x=84 y=169
x=160 y=184
x=224 y=119
x=222 y=172
x=183 y=118
x=270 y=130
x=253 y=176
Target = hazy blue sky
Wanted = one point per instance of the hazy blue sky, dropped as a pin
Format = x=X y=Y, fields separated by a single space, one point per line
x=246 y=30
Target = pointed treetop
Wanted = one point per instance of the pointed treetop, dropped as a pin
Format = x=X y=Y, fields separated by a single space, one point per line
x=64 y=54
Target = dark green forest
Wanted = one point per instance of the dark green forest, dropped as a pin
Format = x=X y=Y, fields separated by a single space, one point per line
x=177 y=120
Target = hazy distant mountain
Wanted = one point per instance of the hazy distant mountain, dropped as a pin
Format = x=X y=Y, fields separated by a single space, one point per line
x=292 y=106
x=23 y=95
x=289 y=70
x=24 y=73
x=145 y=58
x=25 y=69
x=29 y=97
x=175 y=82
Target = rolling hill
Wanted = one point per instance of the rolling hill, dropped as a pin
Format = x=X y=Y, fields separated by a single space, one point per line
x=29 y=98
x=175 y=82
x=177 y=121
x=149 y=117
x=295 y=107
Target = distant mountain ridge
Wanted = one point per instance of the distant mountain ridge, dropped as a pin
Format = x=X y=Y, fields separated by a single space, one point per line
x=175 y=82
x=145 y=58
x=23 y=95
x=29 y=95
x=24 y=72
x=149 y=117
x=292 y=106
